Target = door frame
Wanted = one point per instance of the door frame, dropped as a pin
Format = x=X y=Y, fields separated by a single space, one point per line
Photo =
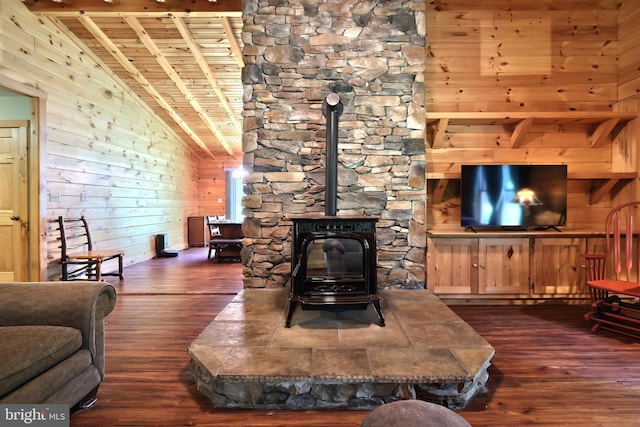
x=37 y=215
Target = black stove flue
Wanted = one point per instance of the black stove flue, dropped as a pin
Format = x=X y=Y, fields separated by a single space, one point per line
x=332 y=108
x=334 y=258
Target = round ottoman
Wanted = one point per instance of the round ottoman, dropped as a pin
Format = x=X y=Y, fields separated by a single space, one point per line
x=413 y=413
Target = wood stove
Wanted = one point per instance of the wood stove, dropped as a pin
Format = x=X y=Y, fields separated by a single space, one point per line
x=334 y=265
x=334 y=259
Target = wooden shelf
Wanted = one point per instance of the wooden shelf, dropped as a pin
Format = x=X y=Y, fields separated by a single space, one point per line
x=602 y=182
x=602 y=123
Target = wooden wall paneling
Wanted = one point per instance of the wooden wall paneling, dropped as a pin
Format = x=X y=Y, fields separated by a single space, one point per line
x=138 y=176
x=440 y=79
x=628 y=19
x=458 y=48
x=625 y=152
x=536 y=137
x=578 y=197
x=601 y=94
x=474 y=64
x=552 y=155
x=629 y=64
x=60 y=73
x=446 y=214
x=570 y=156
x=517 y=5
x=557 y=105
x=587 y=23
x=631 y=85
x=212 y=192
x=559 y=50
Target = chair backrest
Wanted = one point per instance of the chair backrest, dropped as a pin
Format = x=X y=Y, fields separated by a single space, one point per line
x=621 y=241
x=74 y=235
x=214 y=230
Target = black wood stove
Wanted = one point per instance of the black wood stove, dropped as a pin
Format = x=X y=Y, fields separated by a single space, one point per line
x=334 y=259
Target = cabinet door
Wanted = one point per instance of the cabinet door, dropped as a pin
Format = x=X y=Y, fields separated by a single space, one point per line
x=503 y=266
x=558 y=267
x=452 y=265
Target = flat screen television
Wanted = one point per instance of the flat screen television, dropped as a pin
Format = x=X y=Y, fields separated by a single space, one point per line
x=513 y=196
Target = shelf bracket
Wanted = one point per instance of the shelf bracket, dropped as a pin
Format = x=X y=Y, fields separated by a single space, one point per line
x=438 y=134
x=602 y=131
x=520 y=132
x=438 y=192
x=602 y=189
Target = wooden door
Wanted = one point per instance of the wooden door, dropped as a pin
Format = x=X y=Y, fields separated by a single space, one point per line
x=558 y=268
x=452 y=265
x=503 y=266
x=14 y=228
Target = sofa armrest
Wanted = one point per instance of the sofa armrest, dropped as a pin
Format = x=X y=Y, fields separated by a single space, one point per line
x=79 y=304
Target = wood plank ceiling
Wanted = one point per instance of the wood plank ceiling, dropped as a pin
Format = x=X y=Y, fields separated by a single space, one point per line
x=182 y=57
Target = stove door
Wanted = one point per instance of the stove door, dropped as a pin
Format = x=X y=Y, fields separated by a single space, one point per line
x=334 y=258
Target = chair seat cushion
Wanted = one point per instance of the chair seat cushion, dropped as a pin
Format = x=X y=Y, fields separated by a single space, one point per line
x=27 y=351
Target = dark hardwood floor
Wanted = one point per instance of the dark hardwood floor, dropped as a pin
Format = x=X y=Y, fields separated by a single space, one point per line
x=549 y=369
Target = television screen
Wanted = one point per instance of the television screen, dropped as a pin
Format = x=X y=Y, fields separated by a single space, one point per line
x=527 y=196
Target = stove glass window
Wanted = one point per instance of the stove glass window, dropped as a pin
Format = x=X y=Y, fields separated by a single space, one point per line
x=335 y=258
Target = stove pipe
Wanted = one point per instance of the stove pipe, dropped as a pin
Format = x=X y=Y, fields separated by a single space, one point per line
x=332 y=108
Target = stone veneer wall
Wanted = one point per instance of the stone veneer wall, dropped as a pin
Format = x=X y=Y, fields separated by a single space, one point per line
x=371 y=53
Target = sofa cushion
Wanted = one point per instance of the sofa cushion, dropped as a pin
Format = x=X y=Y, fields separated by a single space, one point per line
x=27 y=351
x=63 y=383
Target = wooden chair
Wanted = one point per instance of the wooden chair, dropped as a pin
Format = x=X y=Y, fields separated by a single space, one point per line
x=77 y=254
x=214 y=234
x=614 y=282
x=225 y=239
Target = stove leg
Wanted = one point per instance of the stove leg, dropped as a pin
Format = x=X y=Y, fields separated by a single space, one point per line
x=376 y=306
x=292 y=306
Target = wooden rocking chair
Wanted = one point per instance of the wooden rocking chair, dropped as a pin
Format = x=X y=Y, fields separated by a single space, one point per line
x=614 y=282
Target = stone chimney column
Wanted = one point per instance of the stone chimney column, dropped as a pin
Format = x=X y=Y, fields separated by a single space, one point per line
x=372 y=55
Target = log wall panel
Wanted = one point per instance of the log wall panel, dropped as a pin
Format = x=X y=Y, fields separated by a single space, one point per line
x=138 y=175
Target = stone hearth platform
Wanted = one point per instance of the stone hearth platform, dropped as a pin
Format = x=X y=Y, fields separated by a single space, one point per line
x=246 y=358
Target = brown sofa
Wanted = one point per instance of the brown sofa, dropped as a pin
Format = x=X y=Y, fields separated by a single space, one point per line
x=52 y=341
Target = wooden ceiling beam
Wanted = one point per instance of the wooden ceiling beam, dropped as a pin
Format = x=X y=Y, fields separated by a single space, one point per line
x=182 y=87
x=91 y=26
x=231 y=36
x=206 y=70
x=137 y=8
